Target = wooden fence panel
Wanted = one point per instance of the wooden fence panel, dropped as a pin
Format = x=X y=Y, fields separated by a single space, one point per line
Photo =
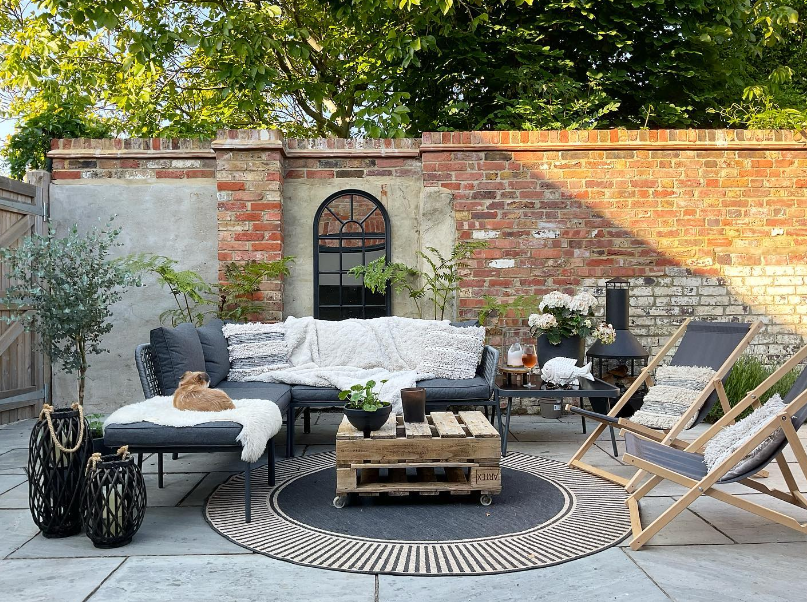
x=24 y=370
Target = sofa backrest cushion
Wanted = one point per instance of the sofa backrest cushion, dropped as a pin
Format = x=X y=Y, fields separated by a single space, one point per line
x=176 y=351
x=465 y=323
x=214 y=348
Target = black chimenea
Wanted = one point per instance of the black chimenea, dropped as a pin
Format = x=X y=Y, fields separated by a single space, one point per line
x=617 y=362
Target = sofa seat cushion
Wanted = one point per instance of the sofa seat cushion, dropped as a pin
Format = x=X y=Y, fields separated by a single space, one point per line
x=306 y=393
x=445 y=389
x=148 y=434
x=277 y=392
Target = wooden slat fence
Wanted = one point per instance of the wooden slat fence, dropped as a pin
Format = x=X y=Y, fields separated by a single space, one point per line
x=24 y=370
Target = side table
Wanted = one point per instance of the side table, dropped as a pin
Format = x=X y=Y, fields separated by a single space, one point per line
x=509 y=390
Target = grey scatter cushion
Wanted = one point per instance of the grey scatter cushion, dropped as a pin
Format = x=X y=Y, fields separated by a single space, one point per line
x=452 y=352
x=676 y=390
x=176 y=351
x=733 y=437
x=214 y=347
x=255 y=348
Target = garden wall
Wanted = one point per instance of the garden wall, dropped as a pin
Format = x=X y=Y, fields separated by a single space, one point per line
x=708 y=224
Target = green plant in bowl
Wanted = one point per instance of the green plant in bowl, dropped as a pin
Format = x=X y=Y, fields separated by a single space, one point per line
x=363 y=408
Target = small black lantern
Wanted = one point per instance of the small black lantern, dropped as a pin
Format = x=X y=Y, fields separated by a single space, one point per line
x=57 y=453
x=114 y=500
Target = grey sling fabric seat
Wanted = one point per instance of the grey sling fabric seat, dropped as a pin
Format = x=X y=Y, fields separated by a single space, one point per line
x=691 y=464
x=715 y=345
x=687 y=468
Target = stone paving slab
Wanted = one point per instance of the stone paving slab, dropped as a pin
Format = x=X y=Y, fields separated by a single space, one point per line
x=687 y=528
x=69 y=580
x=165 y=532
x=609 y=575
x=8 y=482
x=16 y=527
x=246 y=578
x=738 y=573
x=16 y=497
x=14 y=461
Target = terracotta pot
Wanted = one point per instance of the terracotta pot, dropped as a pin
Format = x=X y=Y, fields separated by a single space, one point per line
x=414 y=404
x=568 y=347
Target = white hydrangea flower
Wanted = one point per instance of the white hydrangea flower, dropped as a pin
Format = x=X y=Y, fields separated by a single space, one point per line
x=605 y=333
x=554 y=299
x=582 y=302
x=542 y=321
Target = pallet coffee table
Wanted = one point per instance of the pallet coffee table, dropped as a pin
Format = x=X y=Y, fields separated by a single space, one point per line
x=454 y=453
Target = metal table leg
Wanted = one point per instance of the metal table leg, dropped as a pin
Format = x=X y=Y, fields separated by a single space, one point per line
x=613 y=441
x=507 y=426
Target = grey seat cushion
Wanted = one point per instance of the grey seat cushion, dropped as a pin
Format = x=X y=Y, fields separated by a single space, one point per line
x=176 y=351
x=147 y=434
x=306 y=393
x=437 y=389
x=214 y=349
x=444 y=389
x=277 y=392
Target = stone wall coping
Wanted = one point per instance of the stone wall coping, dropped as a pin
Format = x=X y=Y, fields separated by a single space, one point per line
x=618 y=146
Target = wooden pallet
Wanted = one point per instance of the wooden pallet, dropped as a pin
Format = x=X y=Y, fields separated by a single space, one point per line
x=454 y=453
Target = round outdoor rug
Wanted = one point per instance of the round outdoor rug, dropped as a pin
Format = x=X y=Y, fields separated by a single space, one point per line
x=546 y=514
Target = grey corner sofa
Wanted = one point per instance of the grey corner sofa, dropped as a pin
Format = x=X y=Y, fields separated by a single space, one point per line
x=172 y=351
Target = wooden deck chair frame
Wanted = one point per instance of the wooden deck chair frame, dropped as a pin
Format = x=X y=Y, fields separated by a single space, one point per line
x=783 y=420
x=668 y=437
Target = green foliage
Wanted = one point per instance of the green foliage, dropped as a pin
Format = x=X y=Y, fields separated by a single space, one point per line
x=518 y=307
x=69 y=284
x=236 y=295
x=747 y=374
x=193 y=297
x=96 y=422
x=439 y=284
x=389 y=67
x=27 y=146
x=362 y=397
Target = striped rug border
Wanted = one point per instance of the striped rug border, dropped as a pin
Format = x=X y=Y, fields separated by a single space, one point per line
x=594 y=518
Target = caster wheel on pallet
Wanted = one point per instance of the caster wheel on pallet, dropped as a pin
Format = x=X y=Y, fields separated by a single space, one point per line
x=339 y=501
x=485 y=499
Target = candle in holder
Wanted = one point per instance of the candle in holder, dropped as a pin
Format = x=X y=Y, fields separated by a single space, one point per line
x=414 y=404
x=514 y=355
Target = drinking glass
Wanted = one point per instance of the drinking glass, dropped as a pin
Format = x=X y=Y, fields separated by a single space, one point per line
x=530 y=358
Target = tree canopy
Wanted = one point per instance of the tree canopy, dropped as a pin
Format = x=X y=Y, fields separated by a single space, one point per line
x=393 y=67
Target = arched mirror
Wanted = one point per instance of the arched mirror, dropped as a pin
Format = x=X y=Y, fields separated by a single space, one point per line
x=351 y=228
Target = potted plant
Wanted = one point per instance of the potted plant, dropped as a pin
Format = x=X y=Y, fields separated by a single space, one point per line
x=565 y=322
x=96 y=422
x=363 y=408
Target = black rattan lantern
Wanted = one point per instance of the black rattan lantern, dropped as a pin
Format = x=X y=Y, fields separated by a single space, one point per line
x=57 y=454
x=114 y=501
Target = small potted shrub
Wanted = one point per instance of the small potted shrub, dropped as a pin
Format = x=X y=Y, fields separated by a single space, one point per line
x=96 y=422
x=363 y=408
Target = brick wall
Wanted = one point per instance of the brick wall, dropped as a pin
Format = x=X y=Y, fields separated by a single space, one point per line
x=705 y=223
x=709 y=224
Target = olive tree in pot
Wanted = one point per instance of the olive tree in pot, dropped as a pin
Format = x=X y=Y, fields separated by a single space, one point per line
x=62 y=288
x=363 y=408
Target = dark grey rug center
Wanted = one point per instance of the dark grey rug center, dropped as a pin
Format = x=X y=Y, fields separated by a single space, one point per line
x=526 y=501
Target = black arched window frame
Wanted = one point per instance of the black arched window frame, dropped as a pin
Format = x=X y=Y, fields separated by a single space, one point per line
x=362 y=235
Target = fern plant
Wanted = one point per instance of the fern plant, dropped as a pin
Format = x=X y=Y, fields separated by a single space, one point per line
x=400 y=277
x=236 y=296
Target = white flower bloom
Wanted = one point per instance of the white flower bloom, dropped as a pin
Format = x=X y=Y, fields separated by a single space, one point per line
x=542 y=321
x=587 y=323
x=583 y=302
x=554 y=299
x=605 y=333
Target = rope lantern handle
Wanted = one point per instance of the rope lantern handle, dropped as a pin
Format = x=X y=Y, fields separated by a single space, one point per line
x=46 y=412
x=95 y=458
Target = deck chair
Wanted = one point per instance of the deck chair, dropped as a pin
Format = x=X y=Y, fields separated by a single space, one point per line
x=687 y=468
x=716 y=345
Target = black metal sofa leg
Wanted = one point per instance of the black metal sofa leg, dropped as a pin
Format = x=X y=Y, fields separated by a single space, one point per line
x=307 y=421
x=270 y=462
x=247 y=494
x=160 y=470
x=290 y=432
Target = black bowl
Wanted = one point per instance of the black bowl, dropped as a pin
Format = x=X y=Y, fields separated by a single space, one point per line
x=368 y=421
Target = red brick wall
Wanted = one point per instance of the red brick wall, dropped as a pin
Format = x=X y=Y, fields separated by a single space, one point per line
x=706 y=223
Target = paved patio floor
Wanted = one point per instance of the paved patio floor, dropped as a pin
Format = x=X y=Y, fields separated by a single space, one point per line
x=712 y=552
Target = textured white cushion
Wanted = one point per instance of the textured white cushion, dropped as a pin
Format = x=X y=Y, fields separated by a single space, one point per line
x=676 y=390
x=255 y=348
x=452 y=352
x=733 y=437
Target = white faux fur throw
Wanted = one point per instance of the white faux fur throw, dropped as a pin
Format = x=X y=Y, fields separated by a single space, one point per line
x=260 y=419
x=341 y=354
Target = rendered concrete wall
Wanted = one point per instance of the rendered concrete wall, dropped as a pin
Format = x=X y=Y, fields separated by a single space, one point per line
x=175 y=218
x=402 y=199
